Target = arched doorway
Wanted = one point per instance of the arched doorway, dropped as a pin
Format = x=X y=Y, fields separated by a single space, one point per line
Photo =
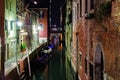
x=99 y=65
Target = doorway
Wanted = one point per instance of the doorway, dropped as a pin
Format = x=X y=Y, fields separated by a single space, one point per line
x=99 y=65
x=91 y=71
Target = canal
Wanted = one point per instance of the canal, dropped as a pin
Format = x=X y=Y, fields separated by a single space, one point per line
x=57 y=67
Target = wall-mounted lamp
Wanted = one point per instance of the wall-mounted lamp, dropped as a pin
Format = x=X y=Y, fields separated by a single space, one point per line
x=35 y=2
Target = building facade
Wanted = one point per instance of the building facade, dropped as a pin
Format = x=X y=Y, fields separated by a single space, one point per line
x=10 y=28
x=43 y=24
x=11 y=33
x=95 y=39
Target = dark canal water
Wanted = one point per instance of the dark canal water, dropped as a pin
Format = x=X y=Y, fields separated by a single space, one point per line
x=57 y=67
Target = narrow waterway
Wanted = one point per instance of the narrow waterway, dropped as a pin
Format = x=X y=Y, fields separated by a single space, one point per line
x=56 y=68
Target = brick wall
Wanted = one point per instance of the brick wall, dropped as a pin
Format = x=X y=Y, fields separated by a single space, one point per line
x=107 y=32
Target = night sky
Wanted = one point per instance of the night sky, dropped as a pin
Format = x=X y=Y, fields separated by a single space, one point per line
x=55 y=9
x=40 y=3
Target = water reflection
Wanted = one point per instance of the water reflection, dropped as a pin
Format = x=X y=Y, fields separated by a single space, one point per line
x=56 y=68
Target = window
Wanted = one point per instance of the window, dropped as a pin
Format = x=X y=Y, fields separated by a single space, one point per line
x=70 y=17
x=91 y=4
x=6 y=27
x=85 y=65
x=80 y=58
x=6 y=2
x=10 y=5
x=6 y=24
x=86 y=5
x=80 y=8
x=91 y=71
x=41 y=14
x=11 y=25
x=75 y=13
x=77 y=10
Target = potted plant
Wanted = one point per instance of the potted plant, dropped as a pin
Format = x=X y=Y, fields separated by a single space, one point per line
x=22 y=46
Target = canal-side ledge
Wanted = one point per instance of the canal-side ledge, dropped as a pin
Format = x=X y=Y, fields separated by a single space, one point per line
x=12 y=73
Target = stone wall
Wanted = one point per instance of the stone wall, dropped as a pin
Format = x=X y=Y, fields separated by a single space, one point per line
x=107 y=32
